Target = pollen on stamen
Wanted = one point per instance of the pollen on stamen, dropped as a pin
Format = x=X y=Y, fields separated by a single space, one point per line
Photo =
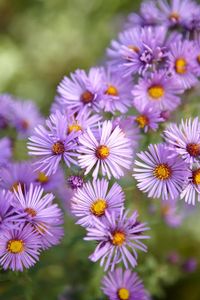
x=102 y=152
x=123 y=294
x=181 y=66
x=15 y=246
x=74 y=127
x=156 y=92
x=87 y=97
x=118 y=238
x=162 y=172
x=98 y=207
x=30 y=211
x=196 y=176
x=58 y=148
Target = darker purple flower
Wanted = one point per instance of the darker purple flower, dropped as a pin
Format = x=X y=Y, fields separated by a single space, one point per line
x=75 y=182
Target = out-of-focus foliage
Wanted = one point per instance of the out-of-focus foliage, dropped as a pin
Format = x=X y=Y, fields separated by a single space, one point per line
x=40 y=41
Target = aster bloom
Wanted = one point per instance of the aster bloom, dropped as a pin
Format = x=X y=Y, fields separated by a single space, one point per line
x=53 y=144
x=171 y=213
x=40 y=210
x=19 y=248
x=108 y=151
x=183 y=64
x=160 y=172
x=185 y=139
x=15 y=174
x=123 y=285
x=81 y=90
x=176 y=12
x=159 y=90
x=118 y=239
x=149 y=15
x=94 y=199
x=53 y=237
x=191 y=188
x=24 y=116
x=5 y=151
x=75 y=182
x=148 y=118
x=117 y=92
x=8 y=215
x=137 y=50
x=6 y=102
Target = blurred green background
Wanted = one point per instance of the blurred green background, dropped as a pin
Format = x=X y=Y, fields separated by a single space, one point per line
x=40 y=41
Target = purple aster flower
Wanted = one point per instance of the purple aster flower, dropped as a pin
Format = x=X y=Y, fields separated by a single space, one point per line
x=52 y=144
x=118 y=239
x=117 y=92
x=128 y=127
x=8 y=215
x=137 y=50
x=16 y=174
x=123 y=285
x=160 y=90
x=191 y=188
x=149 y=15
x=24 y=116
x=53 y=237
x=40 y=210
x=148 y=118
x=81 y=89
x=19 y=248
x=6 y=102
x=94 y=199
x=5 y=151
x=177 y=12
x=190 y=265
x=185 y=139
x=183 y=63
x=172 y=216
x=160 y=172
x=109 y=151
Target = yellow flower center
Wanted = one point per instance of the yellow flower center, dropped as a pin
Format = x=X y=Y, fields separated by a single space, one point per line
x=123 y=294
x=193 y=149
x=74 y=127
x=42 y=177
x=196 y=176
x=181 y=66
x=98 y=207
x=174 y=17
x=102 y=152
x=30 y=211
x=142 y=121
x=134 y=48
x=156 y=92
x=112 y=91
x=58 y=148
x=162 y=172
x=87 y=97
x=15 y=246
x=119 y=238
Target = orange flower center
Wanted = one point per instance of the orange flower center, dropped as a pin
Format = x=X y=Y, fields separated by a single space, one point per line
x=112 y=91
x=198 y=58
x=162 y=172
x=134 y=48
x=15 y=246
x=25 y=124
x=30 y=211
x=118 y=238
x=174 y=17
x=142 y=121
x=102 y=152
x=196 y=176
x=193 y=149
x=123 y=294
x=58 y=148
x=42 y=177
x=156 y=92
x=181 y=66
x=87 y=97
x=16 y=185
x=98 y=207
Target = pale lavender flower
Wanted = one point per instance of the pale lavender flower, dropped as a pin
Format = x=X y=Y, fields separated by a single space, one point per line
x=53 y=144
x=53 y=237
x=19 y=248
x=119 y=238
x=171 y=213
x=123 y=285
x=109 y=151
x=6 y=102
x=184 y=139
x=5 y=151
x=191 y=188
x=81 y=90
x=160 y=172
x=158 y=89
x=137 y=50
x=94 y=199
